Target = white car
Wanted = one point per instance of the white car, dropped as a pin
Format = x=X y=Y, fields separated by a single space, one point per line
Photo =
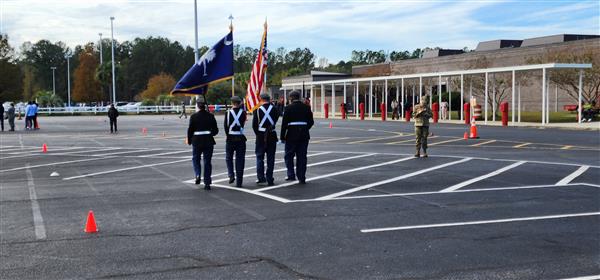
x=131 y=106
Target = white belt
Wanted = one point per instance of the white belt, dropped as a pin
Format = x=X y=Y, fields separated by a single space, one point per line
x=263 y=129
x=236 y=133
x=298 y=123
x=206 y=132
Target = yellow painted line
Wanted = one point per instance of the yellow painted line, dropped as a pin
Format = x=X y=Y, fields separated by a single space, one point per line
x=566 y=147
x=483 y=143
x=521 y=145
x=409 y=140
x=372 y=139
x=443 y=142
x=331 y=139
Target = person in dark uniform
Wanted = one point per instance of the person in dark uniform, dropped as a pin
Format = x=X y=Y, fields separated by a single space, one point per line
x=297 y=121
x=200 y=134
x=2 y=115
x=113 y=114
x=236 y=141
x=263 y=124
x=183 y=112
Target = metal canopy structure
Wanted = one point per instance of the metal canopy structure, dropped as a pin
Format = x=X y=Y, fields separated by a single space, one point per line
x=439 y=75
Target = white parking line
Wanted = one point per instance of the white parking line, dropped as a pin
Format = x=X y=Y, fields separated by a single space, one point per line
x=373 y=139
x=454 y=192
x=254 y=192
x=535 y=218
x=446 y=141
x=169 y=153
x=284 y=169
x=392 y=179
x=254 y=166
x=329 y=140
x=123 y=169
x=127 y=152
x=573 y=175
x=589 y=277
x=483 y=143
x=339 y=172
x=477 y=179
x=54 y=163
x=38 y=221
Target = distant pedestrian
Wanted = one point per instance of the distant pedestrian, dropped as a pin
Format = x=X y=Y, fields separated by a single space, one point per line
x=588 y=111
x=235 y=142
x=29 y=115
x=395 y=110
x=2 y=115
x=421 y=115
x=113 y=114
x=263 y=124
x=35 y=116
x=200 y=134
x=444 y=106
x=295 y=127
x=183 y=112
x=11 y=116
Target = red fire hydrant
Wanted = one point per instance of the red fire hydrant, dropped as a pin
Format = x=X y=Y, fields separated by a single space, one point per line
x=435 y=107
x=343 y=110
x=326 y=110
x=467 y=112
x=361 y=108
x=504 y=110
x=383 y=111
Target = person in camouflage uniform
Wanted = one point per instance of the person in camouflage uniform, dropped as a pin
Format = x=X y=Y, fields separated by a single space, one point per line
x=421 y=115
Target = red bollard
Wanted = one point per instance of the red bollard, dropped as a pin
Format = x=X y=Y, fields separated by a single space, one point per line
x=467 y=112
x=407 y=115
x=435 y=107
x=504 y=110
x=343 y=110
x=383 y=111
x=361 y=109
x=326 y=110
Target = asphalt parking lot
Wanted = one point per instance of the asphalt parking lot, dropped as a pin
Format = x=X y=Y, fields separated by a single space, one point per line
x=518 y=203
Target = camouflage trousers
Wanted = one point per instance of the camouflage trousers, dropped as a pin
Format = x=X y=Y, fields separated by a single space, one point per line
x=421 y=133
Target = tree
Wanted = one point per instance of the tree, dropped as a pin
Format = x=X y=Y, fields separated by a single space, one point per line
x=47 y=99
x=85 y=86
x=40 y=57
x=10 y=74
x=568 y=79
x=159 y=84
x=398 y=55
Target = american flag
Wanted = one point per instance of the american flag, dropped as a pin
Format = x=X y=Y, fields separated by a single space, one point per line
x=257 y=76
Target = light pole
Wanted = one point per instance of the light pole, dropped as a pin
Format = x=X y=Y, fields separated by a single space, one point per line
x=53 y=81
x=195 y=31
x=112 y=50
x=100 y=48
x=68 y=56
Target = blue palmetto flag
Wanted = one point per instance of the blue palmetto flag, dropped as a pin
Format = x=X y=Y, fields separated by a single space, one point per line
x=214 y=66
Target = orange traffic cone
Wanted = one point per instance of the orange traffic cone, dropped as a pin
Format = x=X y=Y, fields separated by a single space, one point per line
x=44 y=148
x=90 y=224
x=466 y=136
x=144 y=130
x=330 y=124
x=473 y=131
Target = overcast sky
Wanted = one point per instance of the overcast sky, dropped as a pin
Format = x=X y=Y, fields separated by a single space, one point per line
x=330 y=28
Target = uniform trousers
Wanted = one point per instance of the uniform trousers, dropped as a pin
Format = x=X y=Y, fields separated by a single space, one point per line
x=239 y=148
x=299 y=150
x=197 y=154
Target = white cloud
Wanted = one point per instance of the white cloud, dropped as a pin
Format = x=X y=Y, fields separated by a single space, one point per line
x=330 y=28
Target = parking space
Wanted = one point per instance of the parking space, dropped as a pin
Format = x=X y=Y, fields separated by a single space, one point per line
x=475 y=208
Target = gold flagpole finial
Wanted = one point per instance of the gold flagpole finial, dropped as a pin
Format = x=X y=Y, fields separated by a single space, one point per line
x=230 y=22
x=265 y=23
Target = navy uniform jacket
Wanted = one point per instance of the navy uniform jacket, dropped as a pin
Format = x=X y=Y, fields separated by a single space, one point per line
x=296 y=112
x=202 y=122
x=113 y=113
x=229 y=120
x=271 y=134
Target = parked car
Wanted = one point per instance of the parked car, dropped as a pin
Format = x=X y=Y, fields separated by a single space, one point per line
x=132 y=106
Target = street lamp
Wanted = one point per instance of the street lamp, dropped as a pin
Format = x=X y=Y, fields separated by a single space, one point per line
x=100 y=34
x=68 y=56
x=53 y=81
x=112 y=50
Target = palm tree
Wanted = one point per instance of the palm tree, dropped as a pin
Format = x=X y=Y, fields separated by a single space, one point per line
x=206 y=58
x=48 y=99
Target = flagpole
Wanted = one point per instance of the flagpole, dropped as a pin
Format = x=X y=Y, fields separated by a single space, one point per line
x=195 y=38
x=233 y=78
x=265 y=81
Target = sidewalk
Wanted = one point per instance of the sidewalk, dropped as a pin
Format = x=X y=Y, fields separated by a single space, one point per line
x=578 y=126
